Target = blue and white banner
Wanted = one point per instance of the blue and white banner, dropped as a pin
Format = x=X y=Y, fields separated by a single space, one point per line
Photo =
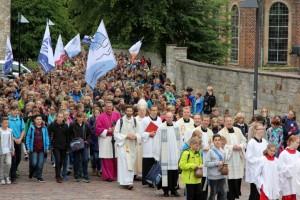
x=73 y=48
x=46 y=58
x=8 y=57
x=101 y=57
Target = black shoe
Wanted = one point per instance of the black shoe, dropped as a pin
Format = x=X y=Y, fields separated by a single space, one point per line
x=77 y=180
x=59 y=180
x=166 y=195
x=41 y=180
x=175 y=194
x=109 y=180
x=85 y=180
x=129 y=187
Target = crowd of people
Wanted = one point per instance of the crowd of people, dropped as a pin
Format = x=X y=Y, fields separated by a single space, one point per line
x=136 y=119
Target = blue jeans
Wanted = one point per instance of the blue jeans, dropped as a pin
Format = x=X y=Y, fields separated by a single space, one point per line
x=36 y=164
x=80 y=165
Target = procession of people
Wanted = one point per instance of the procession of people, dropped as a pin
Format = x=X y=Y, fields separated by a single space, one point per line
x=135 y=119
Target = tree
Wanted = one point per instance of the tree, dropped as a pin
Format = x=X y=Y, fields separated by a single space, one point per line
x=37 y=12
x=197 y=24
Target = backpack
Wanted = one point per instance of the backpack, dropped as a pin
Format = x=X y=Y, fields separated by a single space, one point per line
x=179 y=169
x=121 y=123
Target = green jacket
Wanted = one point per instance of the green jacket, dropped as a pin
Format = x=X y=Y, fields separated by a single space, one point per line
x=188 y=162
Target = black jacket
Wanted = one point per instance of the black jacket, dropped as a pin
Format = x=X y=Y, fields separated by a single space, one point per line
x=59 y=134
x=77 y=131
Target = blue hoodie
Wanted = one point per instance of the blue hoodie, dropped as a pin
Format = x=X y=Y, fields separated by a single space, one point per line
x=17 y=125
x=30 y=138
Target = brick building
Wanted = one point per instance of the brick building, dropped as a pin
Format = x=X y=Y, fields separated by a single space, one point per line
x=279 y=32
x=4 y=25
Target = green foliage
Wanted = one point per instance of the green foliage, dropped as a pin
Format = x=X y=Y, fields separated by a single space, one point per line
x=37 y=12
x=197 y=24
x=201 y=25
x=32 y=64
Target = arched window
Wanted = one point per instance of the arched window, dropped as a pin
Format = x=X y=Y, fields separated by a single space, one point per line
x=278 y=33
x=234 y=54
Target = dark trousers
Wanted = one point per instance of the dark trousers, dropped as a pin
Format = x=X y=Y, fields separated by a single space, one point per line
x=15 y=161
x=254 y=195
x=172 y=182
x=147 y=163
x=217 y=188
x=81 y=159
x=96 y=162
x=204 y=190
x=36 y=164
x=234 y=186
x=59 y=155
x=193 y=191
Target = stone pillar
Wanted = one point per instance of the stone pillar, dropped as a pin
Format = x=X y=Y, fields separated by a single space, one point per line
x=172 y=54
x=4 y=24
x=247 y=37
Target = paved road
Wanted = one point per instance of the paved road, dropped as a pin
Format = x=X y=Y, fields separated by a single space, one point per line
x=27 y=189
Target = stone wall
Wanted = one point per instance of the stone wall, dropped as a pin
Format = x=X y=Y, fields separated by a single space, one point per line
x=4 y=25
x=233 y=87
x=155 y=57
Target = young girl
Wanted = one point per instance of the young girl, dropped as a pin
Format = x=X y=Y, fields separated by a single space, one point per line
x=288 y=164
x=189 y=162
x=214 y=161
x=268 y=175
x=239 y=122
x=6 y=151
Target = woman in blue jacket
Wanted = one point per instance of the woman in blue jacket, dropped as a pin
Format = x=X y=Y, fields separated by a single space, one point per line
x=37 y=143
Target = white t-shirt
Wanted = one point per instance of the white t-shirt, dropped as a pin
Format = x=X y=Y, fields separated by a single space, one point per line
x=6 y=140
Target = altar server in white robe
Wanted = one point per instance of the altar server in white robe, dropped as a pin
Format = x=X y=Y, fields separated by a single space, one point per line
x=167 y=152
x=127 y=138
x=185 y=124
x=288 y=167
x=267 y=175
x=147 y=142
x=254 y=155
x=142 y=111
x=207 y=135
x=236 y=144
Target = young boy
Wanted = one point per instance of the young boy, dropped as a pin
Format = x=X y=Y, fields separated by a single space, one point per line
x=37 y=143
x=6 y=151
x=214 y=161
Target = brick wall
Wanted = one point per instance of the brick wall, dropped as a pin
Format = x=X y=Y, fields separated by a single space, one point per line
x=247 y=37
x=4 y=25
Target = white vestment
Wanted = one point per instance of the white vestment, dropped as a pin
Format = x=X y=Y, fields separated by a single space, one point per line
x=254 y=154
x=288 y=166
x=185 y=128
x=267 y=176
x=139 y=153
x=167 y=149
x=235 y=159
x=147 y=141
x=126 y=150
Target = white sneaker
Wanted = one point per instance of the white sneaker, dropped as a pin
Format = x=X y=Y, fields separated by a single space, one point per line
x=8 y=181
x=3 y=182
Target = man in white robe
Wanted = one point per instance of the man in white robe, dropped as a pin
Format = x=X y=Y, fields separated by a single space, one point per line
x=236 y=144
x=127 y=138
x=185 y=124
x=167 y=152
x=147 y=142
x=142 y=111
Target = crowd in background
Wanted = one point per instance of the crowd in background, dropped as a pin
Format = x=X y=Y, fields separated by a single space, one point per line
x=45 y=113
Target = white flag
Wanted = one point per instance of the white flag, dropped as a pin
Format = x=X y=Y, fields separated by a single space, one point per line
x=59 y=52
x=46 y=58
x=50 y=23
x=135 y=49
x=23 y=20
x=73 y=48
x=101 y=57
x=8 y=57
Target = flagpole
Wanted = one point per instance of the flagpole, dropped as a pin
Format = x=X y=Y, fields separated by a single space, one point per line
x=19 y=49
